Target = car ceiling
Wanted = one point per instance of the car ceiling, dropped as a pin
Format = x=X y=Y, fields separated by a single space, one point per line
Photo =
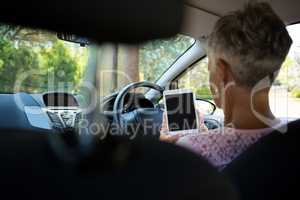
x=200 y=15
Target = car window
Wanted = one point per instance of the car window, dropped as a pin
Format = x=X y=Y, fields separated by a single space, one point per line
x=285 y=94
x=158 y=55
x=35 y=61
x=123 y=64
x=196 y=78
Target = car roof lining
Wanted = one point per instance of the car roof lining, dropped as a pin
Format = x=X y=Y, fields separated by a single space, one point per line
x=201 y=15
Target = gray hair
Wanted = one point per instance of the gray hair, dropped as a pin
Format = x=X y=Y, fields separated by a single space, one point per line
x=254 y=41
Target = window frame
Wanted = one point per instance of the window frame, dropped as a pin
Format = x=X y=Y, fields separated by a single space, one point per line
x=178 y=58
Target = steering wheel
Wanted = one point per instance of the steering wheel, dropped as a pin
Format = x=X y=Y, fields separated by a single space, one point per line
x=118 y=108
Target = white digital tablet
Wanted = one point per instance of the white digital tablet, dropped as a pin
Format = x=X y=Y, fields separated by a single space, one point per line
x=181 y=113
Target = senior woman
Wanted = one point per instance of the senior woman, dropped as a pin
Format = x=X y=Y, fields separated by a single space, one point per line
x=245 y=50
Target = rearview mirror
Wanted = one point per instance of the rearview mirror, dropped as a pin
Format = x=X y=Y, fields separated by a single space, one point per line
x=205 y=107
x=73 y=38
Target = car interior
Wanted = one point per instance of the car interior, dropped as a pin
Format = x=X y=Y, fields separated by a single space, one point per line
x=47 y=148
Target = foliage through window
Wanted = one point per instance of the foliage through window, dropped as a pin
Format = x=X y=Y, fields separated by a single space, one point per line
x=36 y=61
x=122 y=64
x=196 y=78
x=158 y=55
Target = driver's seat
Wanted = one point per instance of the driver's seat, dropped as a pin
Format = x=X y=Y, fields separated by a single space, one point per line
x=270 y=169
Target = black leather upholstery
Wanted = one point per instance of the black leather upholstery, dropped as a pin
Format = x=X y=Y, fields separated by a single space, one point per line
x=270 y=169
x=154 y=170
x=102 y=21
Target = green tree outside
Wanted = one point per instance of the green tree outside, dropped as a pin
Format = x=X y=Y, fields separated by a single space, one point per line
x=39 y=52
x=155 y=57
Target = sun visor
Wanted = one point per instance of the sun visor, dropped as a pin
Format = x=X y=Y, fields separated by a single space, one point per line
x=128 y=21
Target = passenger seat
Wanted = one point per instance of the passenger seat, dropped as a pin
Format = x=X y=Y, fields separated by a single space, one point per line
x=270 y=169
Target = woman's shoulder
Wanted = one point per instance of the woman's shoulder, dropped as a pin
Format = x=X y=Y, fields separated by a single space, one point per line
x=220 y=146
x=206 y=138
x=221 y=137
x=210 y=134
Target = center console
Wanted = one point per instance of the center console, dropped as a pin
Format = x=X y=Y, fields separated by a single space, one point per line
x=62 y=109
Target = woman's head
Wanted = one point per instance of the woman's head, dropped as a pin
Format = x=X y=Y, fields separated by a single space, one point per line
x=245 y=47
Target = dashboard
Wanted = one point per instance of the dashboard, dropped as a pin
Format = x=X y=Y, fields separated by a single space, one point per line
x=51 y=111
x=61 y=111
x=36 y=112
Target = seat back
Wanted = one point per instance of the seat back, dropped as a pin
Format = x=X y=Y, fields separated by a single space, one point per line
x=153 y=170
x=270 y=169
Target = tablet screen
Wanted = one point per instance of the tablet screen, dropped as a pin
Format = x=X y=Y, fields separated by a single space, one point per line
x=181 y=111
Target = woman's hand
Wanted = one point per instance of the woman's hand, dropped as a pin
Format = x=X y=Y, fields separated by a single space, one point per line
x=166 y=137
x=169 y=138
x=202 y=127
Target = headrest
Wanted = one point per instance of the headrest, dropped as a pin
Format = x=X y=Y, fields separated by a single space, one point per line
x=128 y=21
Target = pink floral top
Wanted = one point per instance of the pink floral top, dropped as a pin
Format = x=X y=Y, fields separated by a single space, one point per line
x=221 y=146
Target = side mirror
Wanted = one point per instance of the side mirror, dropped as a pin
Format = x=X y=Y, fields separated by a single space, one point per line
x=73 y=38
x=206 y=107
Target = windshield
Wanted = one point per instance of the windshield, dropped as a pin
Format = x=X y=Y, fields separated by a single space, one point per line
x=35 y=61
x=122 y=64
